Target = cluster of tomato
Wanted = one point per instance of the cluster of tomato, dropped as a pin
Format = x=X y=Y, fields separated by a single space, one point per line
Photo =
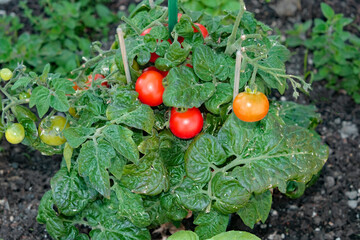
x=247 y=106
x=184 y=124
x=49 y=130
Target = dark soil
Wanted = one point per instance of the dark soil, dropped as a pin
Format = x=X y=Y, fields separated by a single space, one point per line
x=328 y=210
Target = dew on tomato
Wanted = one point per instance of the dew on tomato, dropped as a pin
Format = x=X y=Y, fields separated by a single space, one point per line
x=186 y=124
x=50 y=130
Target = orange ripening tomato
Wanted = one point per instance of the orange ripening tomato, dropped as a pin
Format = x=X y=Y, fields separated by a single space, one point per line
x=251 y=107
x=150 y=88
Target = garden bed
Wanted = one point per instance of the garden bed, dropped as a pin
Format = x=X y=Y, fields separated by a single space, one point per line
x=328 y=210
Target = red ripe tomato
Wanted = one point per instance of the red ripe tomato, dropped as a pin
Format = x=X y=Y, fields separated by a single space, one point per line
x=150 y=88
x=152 y=68
x=97 y=76
x=203 y=30
x=189 y=65
x=187 y=124
x=251 y=107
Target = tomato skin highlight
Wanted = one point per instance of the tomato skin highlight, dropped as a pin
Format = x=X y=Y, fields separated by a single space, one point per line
x=152 y=68
x=186 y=125
x=150 y=88
x=251 y=107
x=15 y=133
x=52 y=134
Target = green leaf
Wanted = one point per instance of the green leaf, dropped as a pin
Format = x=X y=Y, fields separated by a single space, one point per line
x=59 y=101
x=117 y=166
x=230 y=195
x=21 y=82
x=107 y=226
x=300 y=115
x=148 y=178
x=70 y=192
x=131 y=207
x=172 y=149
x=175 y=55
x=68 y=153
x=182 y=235
x=327 y=11
x=126 y=108
x=222 y=95
x=141 y=118
x=238 y=235
x=209 y=65
x=63 y=85
x=93 y=161
x=47 y=215
x=210 y=224
x=76 y=136
x=269 y=153
x=41 y=98
x=202 y=153
x=121 y=140
x=184 y=90
x=190 y=195
x=172 y=208
x=257 y=209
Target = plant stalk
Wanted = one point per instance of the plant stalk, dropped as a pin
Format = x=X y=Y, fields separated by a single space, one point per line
x=120 y=34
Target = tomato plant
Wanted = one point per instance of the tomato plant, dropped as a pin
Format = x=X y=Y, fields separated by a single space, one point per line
x=186 y=124
x=134 y=160
x=150 y=88
x=251 y=106
x=15 y=133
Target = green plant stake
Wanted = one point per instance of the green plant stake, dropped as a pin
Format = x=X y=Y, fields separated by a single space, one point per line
x=173 y=12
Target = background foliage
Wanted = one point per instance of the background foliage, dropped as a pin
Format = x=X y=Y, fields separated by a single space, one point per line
x=60 y=33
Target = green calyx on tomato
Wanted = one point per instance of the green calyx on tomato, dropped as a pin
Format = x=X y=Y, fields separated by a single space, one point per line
x=50 y=130
x=150 y=88
x=15 y=133
x=6 y=74
x=251 y=106
x=186 y=124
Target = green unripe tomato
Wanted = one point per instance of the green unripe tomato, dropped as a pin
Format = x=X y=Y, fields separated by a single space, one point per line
x=50 y=130
x=6 y=74
x=73 y=112
x=24 y=95
x=15 y=133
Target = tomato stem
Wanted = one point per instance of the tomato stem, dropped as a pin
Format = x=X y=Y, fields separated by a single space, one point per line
x=237 y=74
x=232 y=38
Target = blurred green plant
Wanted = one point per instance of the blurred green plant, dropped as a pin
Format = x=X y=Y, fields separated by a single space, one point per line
x=213 y=7
x=336 y=52
x=60 y=35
